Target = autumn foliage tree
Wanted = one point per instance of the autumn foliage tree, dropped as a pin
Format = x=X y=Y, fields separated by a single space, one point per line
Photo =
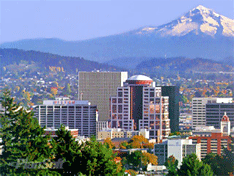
x=148 y=158
x=108 y=143
x=124 y=145
x=139 y=141
x=140 y=159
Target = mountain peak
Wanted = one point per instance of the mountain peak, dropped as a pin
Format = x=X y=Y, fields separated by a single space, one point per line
x=198 y=21
x=203 y=11
x=201 y=7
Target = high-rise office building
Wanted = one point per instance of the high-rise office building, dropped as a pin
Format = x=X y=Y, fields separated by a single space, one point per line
x=215 y=111
x=74 y=114
x=97 y=87
x=199 y=108
x=140 y=105
x=173 y=93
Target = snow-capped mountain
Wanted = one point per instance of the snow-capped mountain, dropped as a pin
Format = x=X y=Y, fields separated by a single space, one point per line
x=199 y=20
x=199 y=33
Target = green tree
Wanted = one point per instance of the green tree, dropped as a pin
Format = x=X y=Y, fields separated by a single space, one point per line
x=216 y=163
x=88 y=158
x=66 y=150
x=97 y=159
x=134 y=159
x=171 y=165
x=228 y=157
x=191 y=166
x=125 y=145
x=22 y=139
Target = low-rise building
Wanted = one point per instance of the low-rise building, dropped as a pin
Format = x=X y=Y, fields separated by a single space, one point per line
x=103 y=124
x=52 y=132
x=120 y=133
x=176 y=146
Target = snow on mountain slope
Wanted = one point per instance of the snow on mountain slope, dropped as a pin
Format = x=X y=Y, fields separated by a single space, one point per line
x=199 y=20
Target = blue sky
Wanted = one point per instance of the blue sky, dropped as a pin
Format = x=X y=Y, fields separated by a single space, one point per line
x=79 y=20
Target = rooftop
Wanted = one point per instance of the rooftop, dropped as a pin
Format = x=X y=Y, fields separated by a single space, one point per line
x=139 y=78
x=225 y=118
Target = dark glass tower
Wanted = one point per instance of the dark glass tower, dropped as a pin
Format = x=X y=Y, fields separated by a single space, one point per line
x=173 y=93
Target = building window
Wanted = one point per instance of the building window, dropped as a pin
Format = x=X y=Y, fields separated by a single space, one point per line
x=120 y=94
x=113 y=100
x=119 y=108
x=114 y=108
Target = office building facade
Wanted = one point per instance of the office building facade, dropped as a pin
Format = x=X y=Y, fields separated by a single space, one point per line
x=101 y=125
x=177 y=147
x=215 y=111
x=173 y=93
x=199 y=109
x=140 y=105
x=73 y=114
x=97 y=87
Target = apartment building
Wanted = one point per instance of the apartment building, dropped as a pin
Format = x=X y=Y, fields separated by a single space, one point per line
x=139 y=105
x=74 y=114
x=97 y=87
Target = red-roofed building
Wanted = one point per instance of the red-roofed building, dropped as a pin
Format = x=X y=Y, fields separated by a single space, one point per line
x=52 y=132
x=213 y=140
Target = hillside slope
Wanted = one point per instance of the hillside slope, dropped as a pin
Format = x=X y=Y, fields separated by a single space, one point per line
x=16 y=59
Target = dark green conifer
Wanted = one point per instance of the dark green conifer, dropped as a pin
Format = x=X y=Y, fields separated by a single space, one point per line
x=22 y=141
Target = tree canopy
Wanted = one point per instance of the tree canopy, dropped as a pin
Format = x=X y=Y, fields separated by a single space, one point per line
x=22 y=139
x=191 y=166
x=28 y=151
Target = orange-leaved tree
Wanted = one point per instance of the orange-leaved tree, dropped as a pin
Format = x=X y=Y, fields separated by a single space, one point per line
x=148 y=158
x=138 y=141
x=109 y=143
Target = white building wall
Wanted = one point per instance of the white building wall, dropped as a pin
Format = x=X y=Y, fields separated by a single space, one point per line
x=175 y=149
x=74 y=114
